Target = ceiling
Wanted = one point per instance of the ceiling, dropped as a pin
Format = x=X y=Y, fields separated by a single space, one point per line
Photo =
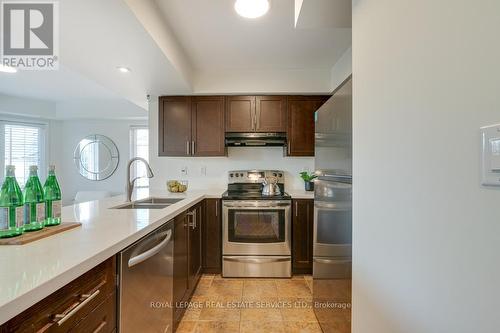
x=56 y=86
x=216 y=38
x=182 y=47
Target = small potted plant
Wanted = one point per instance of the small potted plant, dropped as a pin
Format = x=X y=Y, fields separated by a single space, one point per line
x=308 y=180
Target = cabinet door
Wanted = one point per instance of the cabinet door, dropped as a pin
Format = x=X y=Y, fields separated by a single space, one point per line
x=302 y=236
x=212 y=237
x=208 y=126
x=180 y=281
x=174 y=132
x=301 y=124
x=82 y=297
x=240 y=113
x=271 y=114
x=194 y=262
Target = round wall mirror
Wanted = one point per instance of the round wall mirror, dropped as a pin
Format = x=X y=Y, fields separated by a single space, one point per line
x=96 y=157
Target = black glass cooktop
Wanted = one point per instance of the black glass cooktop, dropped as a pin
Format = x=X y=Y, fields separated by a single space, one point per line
x=237 y=195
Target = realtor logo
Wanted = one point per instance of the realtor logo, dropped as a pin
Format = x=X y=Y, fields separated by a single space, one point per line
x=30 y=34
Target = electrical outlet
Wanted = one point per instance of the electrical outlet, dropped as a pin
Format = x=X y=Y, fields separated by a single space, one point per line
x=203 y=170
x=184 y=171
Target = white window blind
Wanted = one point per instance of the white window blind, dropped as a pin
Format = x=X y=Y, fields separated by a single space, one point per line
x=23 y=145
x=139 y=147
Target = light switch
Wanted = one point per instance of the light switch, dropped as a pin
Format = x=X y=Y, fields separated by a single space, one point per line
x=184 y=171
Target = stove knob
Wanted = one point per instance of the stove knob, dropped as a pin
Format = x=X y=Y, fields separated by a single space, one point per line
x=231 y=175
x=275 y=174
x=241 y=175
x=237 y=175
x=280 y=175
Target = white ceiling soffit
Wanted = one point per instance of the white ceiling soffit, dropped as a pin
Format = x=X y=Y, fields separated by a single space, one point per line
x=231 y=54
x=98 y=36
x=323 y=14
x=148 y=13
x=95 y=38
x=58 y=85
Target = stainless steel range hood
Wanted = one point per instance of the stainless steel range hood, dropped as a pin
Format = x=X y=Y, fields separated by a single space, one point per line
x=255 y=139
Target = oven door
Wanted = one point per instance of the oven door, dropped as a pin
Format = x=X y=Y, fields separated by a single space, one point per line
x=332 y=219
x=259 y=227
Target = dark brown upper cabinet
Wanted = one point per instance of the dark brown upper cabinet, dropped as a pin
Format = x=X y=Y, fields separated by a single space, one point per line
x=256 y=114
x=300 y=131
x=208 y=126
x=174 y=132
x=191 y=126
x=240 y=113
x=270 y=114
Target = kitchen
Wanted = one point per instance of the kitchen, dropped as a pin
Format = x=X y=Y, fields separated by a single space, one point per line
x=205 y=153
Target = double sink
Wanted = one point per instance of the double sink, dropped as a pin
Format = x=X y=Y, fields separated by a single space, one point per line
x=149 y=203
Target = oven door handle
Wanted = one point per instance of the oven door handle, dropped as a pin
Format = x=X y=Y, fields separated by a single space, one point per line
x=255 y=260
x=257 y=206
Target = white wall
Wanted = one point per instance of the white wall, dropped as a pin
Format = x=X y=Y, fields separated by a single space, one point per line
x=217 y=167
x=426 y=235
x=342 y=69
x=70 y=133
x=26 y=107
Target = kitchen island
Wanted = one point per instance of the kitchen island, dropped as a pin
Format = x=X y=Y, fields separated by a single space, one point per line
x=33 y=271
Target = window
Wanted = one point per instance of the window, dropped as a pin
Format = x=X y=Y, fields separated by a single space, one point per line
x=23 y=145
x=139 y=147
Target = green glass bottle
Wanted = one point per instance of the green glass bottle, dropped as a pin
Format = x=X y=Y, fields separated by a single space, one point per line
x=52 y=193
x=34 y=202
x=11 y=205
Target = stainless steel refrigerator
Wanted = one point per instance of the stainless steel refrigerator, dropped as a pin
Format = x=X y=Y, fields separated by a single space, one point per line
x=332 y=252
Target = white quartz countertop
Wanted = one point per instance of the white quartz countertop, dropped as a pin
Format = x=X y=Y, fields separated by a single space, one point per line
x=301 y=194
x=30 y=272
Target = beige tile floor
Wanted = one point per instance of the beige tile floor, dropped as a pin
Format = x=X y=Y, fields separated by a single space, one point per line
x=251 y=305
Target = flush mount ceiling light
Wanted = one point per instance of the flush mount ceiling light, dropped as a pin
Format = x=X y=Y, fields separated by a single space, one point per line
x=123 y=69
x=7 y=69
x=251 y=8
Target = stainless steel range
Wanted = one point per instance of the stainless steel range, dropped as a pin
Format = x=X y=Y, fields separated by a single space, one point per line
x=256 y=227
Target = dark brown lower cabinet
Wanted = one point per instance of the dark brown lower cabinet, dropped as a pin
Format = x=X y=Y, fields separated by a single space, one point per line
x=212 y=237
x=194 y=240
x=302 y=236
x=94 y=293
x=187 y=258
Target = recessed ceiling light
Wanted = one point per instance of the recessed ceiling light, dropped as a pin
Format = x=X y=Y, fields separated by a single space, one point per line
x=251 y=8
x=7 y=69
x=123 y=69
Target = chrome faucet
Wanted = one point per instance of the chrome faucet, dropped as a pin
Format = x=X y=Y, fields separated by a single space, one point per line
x=130 y=184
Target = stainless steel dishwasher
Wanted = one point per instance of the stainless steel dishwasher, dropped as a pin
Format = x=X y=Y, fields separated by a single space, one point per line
x=145 y=283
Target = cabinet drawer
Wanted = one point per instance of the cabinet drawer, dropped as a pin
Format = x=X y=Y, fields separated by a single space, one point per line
x=100 y=320
x=66 y=307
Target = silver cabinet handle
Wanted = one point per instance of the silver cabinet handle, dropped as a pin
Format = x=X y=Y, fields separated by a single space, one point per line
x=85 y=299
x=193 y=148
x=296 y=209
x=187 y=148
x=100 y=327
x=255 y=260
x=256 y=120
x=288 y=147
x=216 y=208
x=192 y=224
x=151 y=252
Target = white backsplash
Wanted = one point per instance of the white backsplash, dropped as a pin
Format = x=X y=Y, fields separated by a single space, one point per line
x=216 y=168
